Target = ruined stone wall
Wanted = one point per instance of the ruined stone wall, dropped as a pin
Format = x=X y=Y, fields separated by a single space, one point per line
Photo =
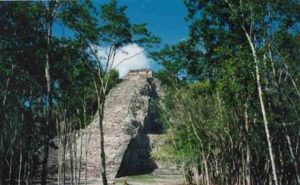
x=134 y=74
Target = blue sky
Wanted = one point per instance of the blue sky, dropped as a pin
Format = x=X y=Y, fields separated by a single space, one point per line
x=165 y=19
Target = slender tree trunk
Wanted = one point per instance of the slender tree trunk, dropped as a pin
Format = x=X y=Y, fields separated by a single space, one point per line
x=101 y=102
x=71 y=160
x=80 y=156
x=60 y=150
x=75 y=156
x=74 y=146
x=26 y=172
x=20 y=163
x=295 y=163
x=49 y=105
x=292 y=153
x=11 y=166
x=7 y=85
x=260 y=94
x=86 y=139
x=2 y=127
x=11 y=162
x=292 y=79
x=64 y=158
x=86 y=158
x=2 y=123
x=206 y=171
x=86 y=153
x=262 y=105
x=247 y=166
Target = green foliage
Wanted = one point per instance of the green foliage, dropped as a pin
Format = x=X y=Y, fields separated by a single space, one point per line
x=212 y=111
x=23 y=89
x=116 y=26
x=113 y=79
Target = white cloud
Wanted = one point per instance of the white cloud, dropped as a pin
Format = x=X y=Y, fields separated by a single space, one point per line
x=127 y=58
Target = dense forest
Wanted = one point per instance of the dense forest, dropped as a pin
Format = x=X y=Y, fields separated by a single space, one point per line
x=231 y=110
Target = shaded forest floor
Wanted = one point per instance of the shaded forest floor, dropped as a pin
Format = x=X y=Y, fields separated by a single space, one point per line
x=152 y=179
x=145 y=180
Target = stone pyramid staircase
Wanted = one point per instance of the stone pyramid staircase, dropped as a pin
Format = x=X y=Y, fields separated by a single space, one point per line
x=129 y=127
x=126 y=110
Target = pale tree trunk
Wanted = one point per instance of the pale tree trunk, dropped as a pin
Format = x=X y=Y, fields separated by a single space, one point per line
x=77 y=156
x=7 y=85
x=86 y=138
x=11 y=162
x=26 y=173
x=87 y=135
x=59 y=153
x=21 y=148
x=243 y=169
x=289 y=74
x=62 y=135
x=20 y=162
x=50 y=11
x=74 y=146
x=65 y=147
x=71 y=159
x=293 y=81
x=48 y=106
x=281 y=164
x=260 y=93
x=262 y=105
x=196 y=175
x=80 y=156
x=247 y=166
x=10 y=176
x=206 y=171
x=2 y=123
x=291 y=152
x=295 y=163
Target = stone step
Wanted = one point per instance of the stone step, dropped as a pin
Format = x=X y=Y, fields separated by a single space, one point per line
x=126 y=113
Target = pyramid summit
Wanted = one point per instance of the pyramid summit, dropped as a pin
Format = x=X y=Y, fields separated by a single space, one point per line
x=135 y=73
